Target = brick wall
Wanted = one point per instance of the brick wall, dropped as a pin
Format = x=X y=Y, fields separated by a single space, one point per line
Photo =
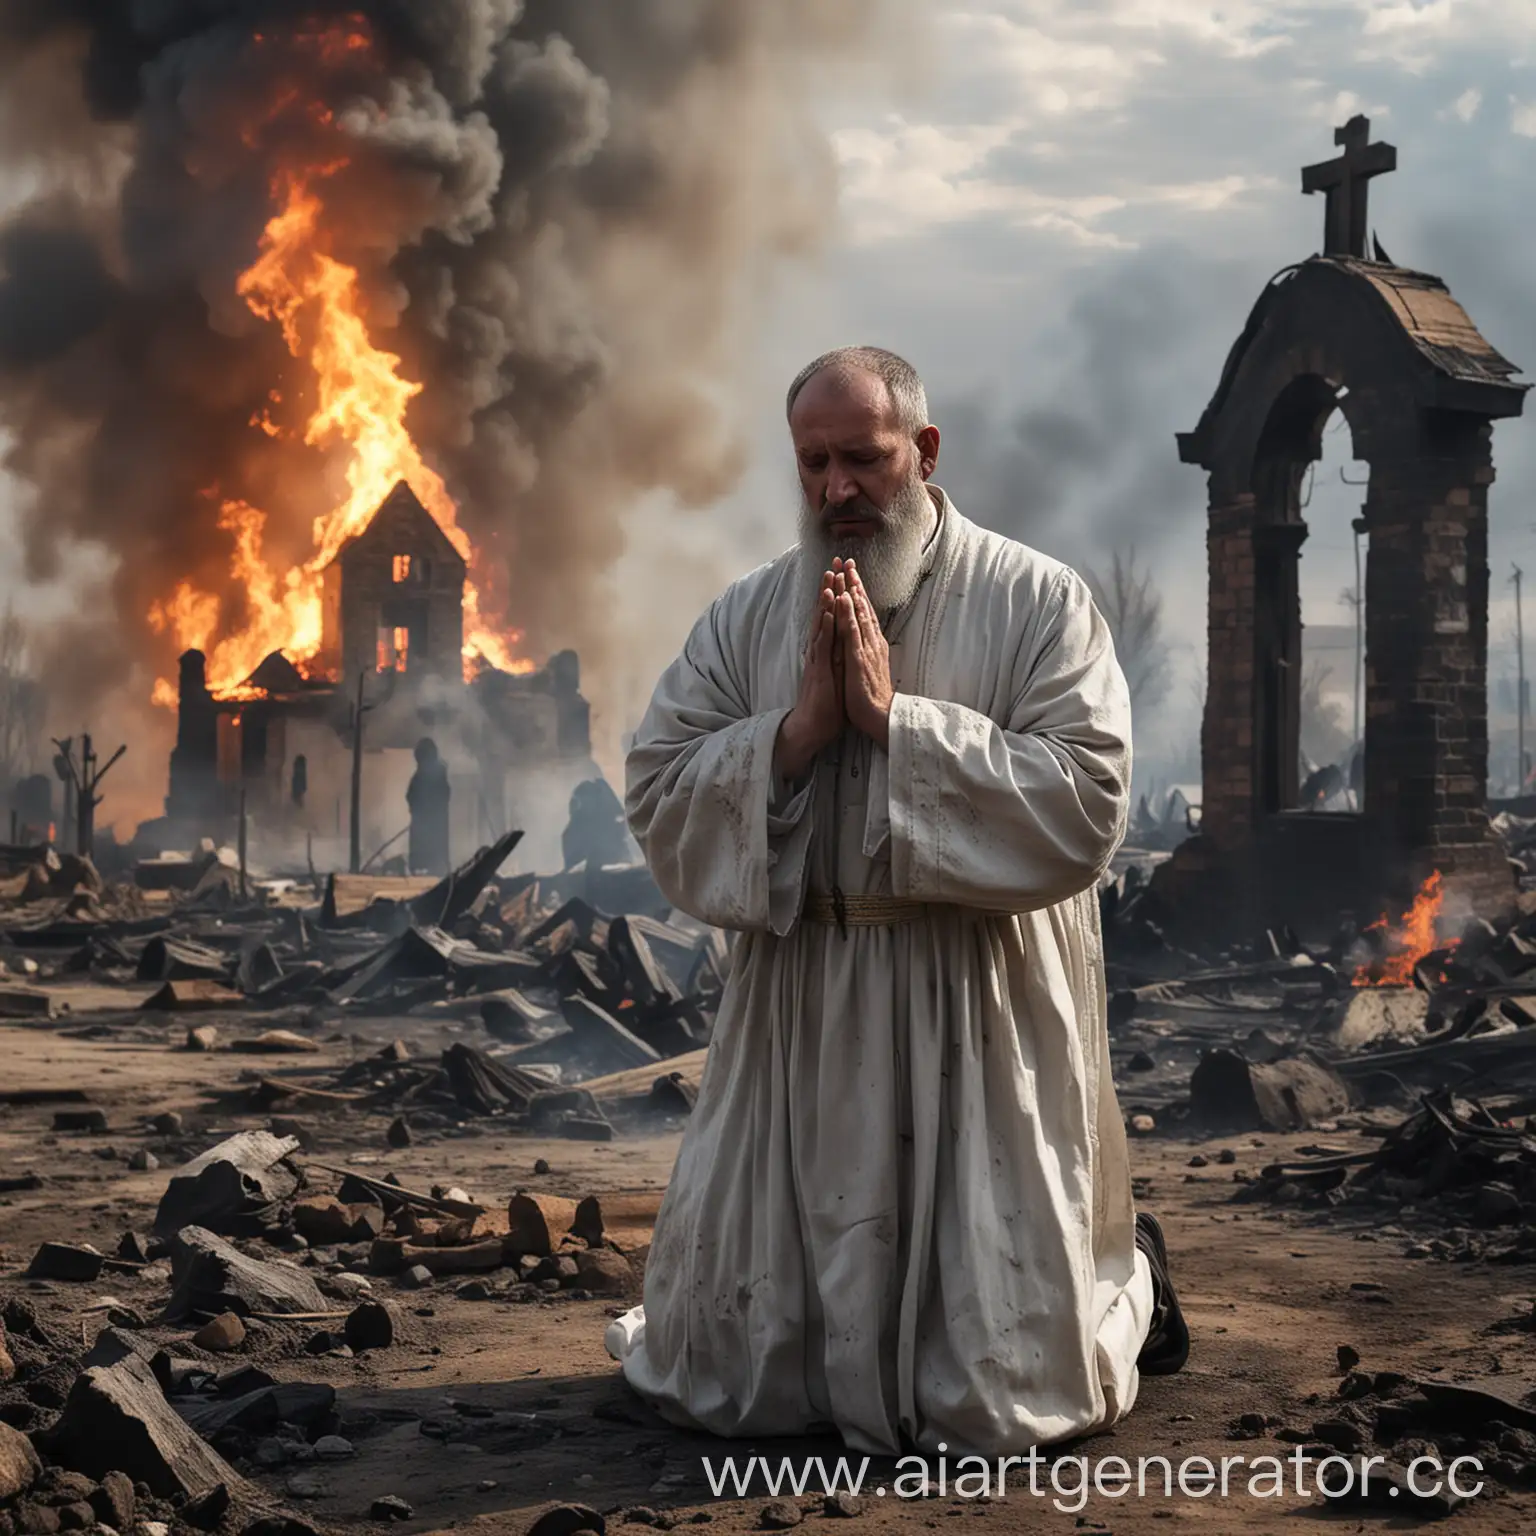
x=1226 y=733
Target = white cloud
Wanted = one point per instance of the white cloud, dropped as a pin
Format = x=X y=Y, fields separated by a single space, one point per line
x=902 y=177
x=1065 y=115
x=1522 y=118
x=1417 y=34
x=1466 y=105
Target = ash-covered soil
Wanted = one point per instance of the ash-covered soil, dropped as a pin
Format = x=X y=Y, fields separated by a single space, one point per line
x=489 y=1411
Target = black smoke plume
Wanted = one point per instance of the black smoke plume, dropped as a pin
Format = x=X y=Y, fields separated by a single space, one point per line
x=563 y=213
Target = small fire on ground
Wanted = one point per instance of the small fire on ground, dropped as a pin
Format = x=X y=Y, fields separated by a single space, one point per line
x=361 y=401
x=1410 y=941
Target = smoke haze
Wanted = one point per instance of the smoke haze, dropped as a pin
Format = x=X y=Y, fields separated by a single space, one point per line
x=563 y=214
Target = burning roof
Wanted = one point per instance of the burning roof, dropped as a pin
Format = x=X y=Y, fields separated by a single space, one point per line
x=278 y=258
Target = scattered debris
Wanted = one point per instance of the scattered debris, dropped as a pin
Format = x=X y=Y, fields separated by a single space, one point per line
x=1229 y=1093
x=371 y=1325
x=222 y=1334
x=567 y=1520
x=117 y=1420
x=212 y=1276
x=19 y=1463
x=92 y=1121
x=66 y=1261
x=236 y=1185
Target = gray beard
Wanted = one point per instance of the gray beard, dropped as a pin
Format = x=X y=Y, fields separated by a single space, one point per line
x=889 y=562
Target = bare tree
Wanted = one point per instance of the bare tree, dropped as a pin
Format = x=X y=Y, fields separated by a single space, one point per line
x=1324 y=731
x=1133 y=608
x=21 y=711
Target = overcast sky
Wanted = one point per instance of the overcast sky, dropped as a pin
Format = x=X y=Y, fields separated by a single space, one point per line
x=1066 y=228
x=1064 y=225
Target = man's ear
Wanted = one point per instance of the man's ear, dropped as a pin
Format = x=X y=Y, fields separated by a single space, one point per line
x=928 y=451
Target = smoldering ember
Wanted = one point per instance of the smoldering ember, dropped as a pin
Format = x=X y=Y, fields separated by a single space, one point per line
x=343 y=1087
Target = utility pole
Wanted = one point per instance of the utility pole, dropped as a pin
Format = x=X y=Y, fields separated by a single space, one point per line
x=357 y=777
x=64 y=772
x=1359 y=605
x=1520 y=663
x=359 y=709
x=242 y=844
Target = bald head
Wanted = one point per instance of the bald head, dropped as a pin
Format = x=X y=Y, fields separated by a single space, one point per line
x=860 y=371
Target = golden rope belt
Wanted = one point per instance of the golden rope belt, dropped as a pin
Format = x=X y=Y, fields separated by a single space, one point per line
x=862 y=911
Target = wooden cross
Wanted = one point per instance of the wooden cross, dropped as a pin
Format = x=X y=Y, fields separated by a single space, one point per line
x=1345 y=181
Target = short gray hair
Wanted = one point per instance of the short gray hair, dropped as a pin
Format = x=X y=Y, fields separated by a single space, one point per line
x=896 y=373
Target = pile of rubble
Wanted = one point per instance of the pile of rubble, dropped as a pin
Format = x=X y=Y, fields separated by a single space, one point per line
x=165 y=1418
x=1453 y=1161
x=1287 y=1035
x=1390 y=1427
x=566 y=993
x=466 y=1082
x=1427 y=1039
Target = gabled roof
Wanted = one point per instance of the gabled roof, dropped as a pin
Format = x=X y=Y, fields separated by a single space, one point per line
x=278 y=675
x=1436 y=324
x=402 y=525
x=1456 y=367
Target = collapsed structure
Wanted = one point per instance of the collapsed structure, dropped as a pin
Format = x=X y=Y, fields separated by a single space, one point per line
x=1420 y=388
x=283 y=743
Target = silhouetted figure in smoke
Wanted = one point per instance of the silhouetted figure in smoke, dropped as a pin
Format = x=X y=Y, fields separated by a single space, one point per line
x=596 y=831
x=427 y=797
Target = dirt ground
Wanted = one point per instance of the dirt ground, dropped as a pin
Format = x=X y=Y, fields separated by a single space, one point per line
x=488 y=1411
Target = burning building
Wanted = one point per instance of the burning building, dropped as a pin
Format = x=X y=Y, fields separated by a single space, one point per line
x=389 y=673
x=268 y=261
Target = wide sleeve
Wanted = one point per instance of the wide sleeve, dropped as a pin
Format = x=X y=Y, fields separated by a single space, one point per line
x=1019 y=816
x=724 y=842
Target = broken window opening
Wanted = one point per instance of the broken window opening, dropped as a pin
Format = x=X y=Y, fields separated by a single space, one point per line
x=1306 y=678
x=402 y=569
x=394 y=648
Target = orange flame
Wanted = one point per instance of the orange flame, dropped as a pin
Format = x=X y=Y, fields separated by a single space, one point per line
x=362 y=402
x=1414 y=939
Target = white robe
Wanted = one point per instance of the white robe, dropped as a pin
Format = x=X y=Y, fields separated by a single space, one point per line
x=902 y=1206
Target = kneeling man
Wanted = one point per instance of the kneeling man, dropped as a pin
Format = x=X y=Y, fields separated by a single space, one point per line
x=896 y=760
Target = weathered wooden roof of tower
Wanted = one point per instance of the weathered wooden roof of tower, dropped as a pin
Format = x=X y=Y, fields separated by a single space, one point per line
x=405 y=526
